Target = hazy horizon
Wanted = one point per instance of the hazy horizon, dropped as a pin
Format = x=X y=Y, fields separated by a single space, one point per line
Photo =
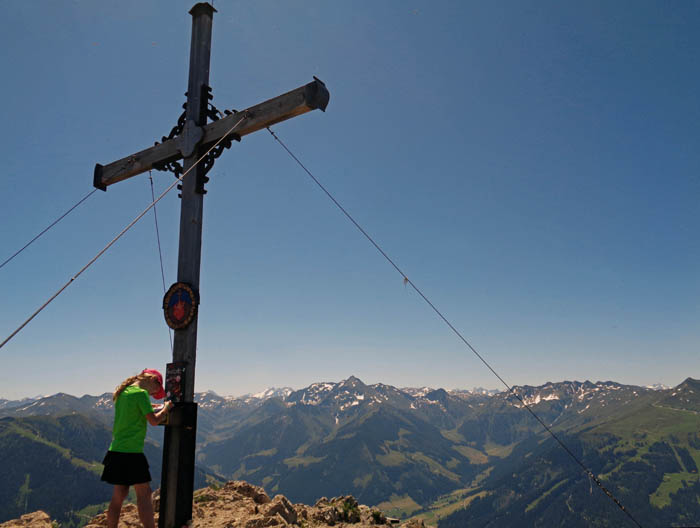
x=296 y=388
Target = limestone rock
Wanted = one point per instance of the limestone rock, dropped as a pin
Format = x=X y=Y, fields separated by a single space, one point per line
x=323 y=501
x=239 y=504
x=129 y=518
x=413 y=523
x=327 y=515
x=281 y=506
x=248 y=490
x=38 y=519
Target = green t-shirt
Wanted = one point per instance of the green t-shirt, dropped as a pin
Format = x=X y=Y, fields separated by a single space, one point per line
x=130 y=411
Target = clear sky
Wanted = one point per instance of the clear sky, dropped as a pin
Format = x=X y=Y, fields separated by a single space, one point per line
x=534 y=167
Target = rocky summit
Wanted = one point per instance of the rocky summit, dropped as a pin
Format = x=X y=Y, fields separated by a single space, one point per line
x=38 y=519
x=238 y=504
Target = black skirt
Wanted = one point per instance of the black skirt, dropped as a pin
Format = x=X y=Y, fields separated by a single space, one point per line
x=125 y=469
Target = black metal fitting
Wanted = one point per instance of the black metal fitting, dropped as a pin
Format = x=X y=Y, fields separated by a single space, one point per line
x=97 y=178
x=316 y=95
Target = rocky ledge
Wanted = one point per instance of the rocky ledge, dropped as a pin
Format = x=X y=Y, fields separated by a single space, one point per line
x=238 y=504
x=38 y=519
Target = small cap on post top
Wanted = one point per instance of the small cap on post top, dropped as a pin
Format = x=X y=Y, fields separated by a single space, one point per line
x=202 y=8
x=97 y=178
x=316 y=95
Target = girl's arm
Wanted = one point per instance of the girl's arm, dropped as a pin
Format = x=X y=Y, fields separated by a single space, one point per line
x=155 y=418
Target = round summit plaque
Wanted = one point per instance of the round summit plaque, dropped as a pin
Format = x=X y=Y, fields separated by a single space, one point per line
x=179 y=305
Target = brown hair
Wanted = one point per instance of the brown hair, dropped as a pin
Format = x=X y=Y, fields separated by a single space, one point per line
x=129 y=381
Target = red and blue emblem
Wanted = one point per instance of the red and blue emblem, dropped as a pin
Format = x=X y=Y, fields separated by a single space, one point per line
x=179 y=305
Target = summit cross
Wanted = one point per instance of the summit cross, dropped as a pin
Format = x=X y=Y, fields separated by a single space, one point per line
x=197 y=143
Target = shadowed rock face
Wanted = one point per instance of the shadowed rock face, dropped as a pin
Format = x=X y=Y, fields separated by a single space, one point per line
x=243 y=505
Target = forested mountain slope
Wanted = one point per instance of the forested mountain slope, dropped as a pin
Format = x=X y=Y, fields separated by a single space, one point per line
x=459 y=457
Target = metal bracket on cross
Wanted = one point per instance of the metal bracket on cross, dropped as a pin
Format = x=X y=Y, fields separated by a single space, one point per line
x=188 y=136
x=311 y=96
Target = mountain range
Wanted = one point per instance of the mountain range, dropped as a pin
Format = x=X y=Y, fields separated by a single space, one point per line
x=453 y=458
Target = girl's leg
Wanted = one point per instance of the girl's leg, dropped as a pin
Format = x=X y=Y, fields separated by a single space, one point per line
x=145 y=504
x=115 y=505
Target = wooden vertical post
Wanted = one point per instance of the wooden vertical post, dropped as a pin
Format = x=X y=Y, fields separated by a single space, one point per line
x=189 y=143
x=177 y=482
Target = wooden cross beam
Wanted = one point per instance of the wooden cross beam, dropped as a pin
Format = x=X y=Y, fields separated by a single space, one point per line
x=297 y=102
x=193 y=138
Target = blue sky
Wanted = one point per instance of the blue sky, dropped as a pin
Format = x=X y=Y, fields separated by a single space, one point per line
x=532 y=166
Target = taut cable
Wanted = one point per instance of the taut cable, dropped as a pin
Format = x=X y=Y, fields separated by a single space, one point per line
x=131 y=224
x=406 y=280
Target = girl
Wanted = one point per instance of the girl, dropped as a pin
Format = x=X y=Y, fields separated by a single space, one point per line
x=125 y=463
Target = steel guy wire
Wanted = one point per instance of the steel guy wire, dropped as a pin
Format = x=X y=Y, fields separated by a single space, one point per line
x=121 y=233
x=160 y=252
x=406 y=280
x=48 y=227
